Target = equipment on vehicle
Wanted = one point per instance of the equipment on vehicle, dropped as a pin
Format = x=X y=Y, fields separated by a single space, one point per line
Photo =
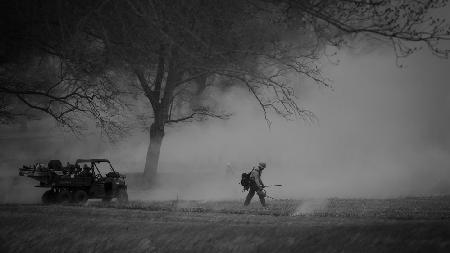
x=74 y=183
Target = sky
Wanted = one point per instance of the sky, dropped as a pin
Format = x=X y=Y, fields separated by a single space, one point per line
x=381 y=132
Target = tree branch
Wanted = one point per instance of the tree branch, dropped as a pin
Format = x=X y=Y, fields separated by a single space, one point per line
x=203 y=112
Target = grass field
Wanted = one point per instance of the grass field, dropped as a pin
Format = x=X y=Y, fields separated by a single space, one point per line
x=331 y=225
x=399 y=208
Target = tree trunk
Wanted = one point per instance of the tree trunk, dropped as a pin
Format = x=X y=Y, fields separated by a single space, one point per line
x=152 y=159
x=160 y=107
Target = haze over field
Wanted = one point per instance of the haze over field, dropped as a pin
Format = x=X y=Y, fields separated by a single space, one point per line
x=382 y=131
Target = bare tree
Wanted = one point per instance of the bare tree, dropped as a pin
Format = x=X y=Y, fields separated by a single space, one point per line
x=69 y=100
x=177 y=50
x=41 y=74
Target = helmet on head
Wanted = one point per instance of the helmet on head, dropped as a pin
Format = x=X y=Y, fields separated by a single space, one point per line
x=262 y=165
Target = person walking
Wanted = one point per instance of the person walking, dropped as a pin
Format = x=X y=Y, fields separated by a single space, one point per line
x=256 y=185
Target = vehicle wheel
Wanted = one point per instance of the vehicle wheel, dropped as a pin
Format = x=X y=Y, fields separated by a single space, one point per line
x=80 y=196
x=122 y=196
x=48 y=197
x=63 y=197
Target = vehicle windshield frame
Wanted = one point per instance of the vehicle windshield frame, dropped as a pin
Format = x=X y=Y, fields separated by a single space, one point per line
x=94 y=165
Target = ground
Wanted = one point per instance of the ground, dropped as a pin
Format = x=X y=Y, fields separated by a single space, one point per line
x=332 y=225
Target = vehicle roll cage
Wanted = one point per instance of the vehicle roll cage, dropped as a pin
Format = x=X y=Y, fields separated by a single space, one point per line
x=93 y=163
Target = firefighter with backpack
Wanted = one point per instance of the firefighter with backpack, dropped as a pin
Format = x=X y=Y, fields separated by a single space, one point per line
x=252 y=182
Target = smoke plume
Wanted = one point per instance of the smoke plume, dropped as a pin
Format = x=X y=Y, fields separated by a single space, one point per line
x=382 y=132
